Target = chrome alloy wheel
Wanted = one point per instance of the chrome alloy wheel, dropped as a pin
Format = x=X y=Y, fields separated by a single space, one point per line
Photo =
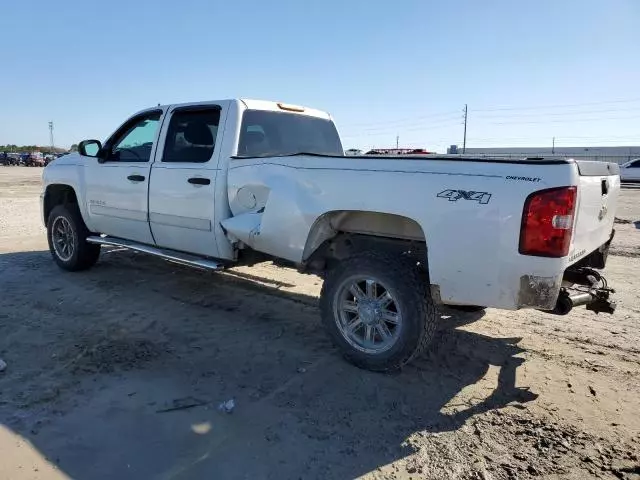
x=63 y=238
x=367 y=314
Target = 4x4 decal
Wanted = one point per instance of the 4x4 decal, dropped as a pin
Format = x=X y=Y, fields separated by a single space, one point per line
x=455 y=195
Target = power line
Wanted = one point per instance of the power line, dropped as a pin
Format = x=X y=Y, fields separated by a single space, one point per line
x=485 y=141
x=404 y=120
x=560 y=114
x=537 y=107
x=415 y=124
x=562 y=137
x=447 y=120
x=569 y=120
x=388 y=131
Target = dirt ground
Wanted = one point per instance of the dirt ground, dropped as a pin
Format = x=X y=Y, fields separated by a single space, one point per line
x=118 y=372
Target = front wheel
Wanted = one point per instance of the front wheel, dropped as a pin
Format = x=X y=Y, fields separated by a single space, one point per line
x=378 y=310
x=67 y=233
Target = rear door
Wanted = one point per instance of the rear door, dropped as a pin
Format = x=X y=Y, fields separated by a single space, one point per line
x=182 y=189
x=116 y=189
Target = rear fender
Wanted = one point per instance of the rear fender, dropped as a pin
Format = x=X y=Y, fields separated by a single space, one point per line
x=376 y=224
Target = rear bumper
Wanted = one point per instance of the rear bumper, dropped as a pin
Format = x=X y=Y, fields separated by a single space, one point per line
x=539 y=292
x=545 y=293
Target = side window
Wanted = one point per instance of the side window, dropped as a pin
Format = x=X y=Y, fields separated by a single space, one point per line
x=135 y=142
x=635 y=164
x=191 y=136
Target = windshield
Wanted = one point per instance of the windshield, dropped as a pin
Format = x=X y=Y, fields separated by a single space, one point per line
x=265 y=133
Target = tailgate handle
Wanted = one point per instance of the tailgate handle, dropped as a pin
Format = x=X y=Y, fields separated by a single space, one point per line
x=605 y=186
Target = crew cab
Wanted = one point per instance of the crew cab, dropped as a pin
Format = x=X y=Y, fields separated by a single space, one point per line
x=222 y=183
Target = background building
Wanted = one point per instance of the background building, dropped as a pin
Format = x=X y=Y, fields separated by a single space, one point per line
x=605 y=154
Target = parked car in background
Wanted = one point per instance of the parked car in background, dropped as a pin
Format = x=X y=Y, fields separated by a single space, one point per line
x=630 y=171
x=13 y=159
x=33 y=161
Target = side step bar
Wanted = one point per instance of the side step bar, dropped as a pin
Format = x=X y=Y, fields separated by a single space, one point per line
x=171 y=255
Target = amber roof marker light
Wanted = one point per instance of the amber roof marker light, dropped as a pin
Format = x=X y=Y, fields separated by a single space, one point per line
x=290 y=108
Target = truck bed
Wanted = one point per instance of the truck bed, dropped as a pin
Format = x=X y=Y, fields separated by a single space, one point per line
x=468 y=210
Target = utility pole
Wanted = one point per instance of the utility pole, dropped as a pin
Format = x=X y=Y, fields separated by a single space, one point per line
x=397 y=141
x=51 y=136
x=464 y=141
x=553 y=145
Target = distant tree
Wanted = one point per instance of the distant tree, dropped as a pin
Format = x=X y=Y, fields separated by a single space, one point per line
x=30 y=148
x=74 y=148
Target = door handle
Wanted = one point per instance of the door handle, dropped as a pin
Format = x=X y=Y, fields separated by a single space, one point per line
x=199 y=181
x=136 y=178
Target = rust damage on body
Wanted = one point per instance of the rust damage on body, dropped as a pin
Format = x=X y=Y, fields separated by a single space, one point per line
x=539 y=292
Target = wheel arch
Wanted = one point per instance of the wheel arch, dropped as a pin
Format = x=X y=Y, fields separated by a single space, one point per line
x=337 y=234
x=58 y=194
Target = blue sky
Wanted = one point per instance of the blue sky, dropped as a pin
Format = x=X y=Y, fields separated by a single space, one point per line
x=528 y=70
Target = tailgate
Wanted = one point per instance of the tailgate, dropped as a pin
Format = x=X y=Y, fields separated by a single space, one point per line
x=598 y=189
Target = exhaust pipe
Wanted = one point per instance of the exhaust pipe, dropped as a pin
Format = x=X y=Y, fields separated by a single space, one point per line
x=597 y=299
x=566 y=302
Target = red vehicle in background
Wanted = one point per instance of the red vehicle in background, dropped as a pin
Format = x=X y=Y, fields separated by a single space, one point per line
x=398 y=151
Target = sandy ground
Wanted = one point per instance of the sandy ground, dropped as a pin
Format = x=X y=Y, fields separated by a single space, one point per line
x=118 y=372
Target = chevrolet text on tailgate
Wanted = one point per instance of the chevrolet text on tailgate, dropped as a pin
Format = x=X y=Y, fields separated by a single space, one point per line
x=223 y=183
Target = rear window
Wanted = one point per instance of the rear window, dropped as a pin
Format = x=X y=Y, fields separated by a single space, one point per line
x=265 y=133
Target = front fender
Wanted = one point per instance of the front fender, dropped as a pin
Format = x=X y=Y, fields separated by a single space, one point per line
x=65 y=174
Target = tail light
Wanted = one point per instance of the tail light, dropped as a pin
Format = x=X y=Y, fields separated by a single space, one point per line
x=547 y=222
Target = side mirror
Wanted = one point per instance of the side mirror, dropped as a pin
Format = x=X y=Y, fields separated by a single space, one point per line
x=90 y=148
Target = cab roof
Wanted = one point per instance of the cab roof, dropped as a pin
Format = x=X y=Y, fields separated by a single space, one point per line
x=252 y=104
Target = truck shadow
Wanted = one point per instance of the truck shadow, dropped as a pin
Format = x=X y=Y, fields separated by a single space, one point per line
x=301 y=411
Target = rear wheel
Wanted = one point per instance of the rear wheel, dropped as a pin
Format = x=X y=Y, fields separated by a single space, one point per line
x=378 y=310
x=67 y=233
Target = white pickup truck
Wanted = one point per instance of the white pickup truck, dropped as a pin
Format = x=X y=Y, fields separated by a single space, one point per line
x=221 y=183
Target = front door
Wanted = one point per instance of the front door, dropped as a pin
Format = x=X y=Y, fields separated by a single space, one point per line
x=117 y=188
x=182 y=189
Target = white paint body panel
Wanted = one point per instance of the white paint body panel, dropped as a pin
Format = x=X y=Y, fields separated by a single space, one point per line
x=114 y=203
x=272 y=204
x=472 y=248
x=182 y=215
x=595 y=214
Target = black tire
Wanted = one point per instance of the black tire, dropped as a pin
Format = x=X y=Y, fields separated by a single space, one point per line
x=84 y=255
x=412 y=293
x=467 y=308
